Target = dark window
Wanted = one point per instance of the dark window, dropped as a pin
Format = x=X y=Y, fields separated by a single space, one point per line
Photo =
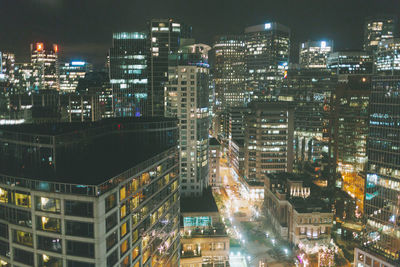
x=111 y=201
x=49 y=243
x=82 y=229
x=112 y=240
x=4 y=249
x=112 y=258
x=3 y=230
x=111 y=221
x=23 y=256
x=82 y=249
x=78 y=208
x=79 y=264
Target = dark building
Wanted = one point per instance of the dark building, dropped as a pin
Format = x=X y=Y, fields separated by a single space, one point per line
x=90 y=194
x=379 y=28
x=350 y=62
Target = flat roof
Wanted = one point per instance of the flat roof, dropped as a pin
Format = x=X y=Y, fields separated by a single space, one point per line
x=205 y=203
x=214 y=142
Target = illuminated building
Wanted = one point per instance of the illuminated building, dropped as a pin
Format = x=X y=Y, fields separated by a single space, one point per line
x=165 y=38
x=71 y=73
x=23 y=77
x=214 y=158
x=267 y=58
x=45 y=66
x=129 y=73
x=186 y=98
x=204 y=239
x=387 y=57
x=230 y=71
x=349 y=135
x=268 y=141
x=94 y=194
x=350 y=62
x=7 y=65
x=296 y=211
x=313 y=54
x=381 y=241
x=378 y=28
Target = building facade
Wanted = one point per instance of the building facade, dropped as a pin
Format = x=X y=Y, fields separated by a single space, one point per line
x=378 y=28
x=313 y=54
x=45 y=66
x=129 y=73
x=214 y=162
x=350 y=62
x=387 y=57
x=71 y=73
x=61 y=210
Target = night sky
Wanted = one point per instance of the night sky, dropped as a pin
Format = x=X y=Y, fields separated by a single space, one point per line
x=83 y=28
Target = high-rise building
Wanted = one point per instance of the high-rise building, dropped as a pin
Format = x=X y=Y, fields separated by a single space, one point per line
x=230 y=71
x=23 y=78
x=267 y=58
x=71 y=73
x=387 y=56
x=186 y=98
x=45 y=66
x=214 y=160
x=350 y=62
x=90 y=194
x=129 y=73
x=165 y=38
x=381 y=244
x=7 y=65
x=268 y=139
x=313 y=54
x=379 y=28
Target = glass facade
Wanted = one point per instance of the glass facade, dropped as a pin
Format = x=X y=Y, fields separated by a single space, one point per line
x=377 y=29
x=45 y=66
x=313 y=54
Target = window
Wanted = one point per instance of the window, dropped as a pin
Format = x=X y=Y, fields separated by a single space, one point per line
x=111 y=202
x=3 y=230
x=122 y=193
x=112 y=258
x=4 y=249
x=48 y=204
x=124 y=246
x=48 y=224
x=124 y=229
x=23 y=256
x=49 y=261
x=81 y=249
x=49 y=243
x=3 y=196
x=135 y=236
x=78 y=208
x=134 y=202
x=23 y=199
x=111 y=221
x=81 y=229
x=123 y=211
x=111 y=240
x=23 y=238
x=79 y=264
x=125 y=262
x=135 y=253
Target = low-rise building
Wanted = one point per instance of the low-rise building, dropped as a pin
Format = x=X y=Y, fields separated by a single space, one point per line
x=297 y=212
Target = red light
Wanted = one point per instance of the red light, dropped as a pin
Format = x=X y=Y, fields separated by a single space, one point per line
x=55 y=47
x=39 y=46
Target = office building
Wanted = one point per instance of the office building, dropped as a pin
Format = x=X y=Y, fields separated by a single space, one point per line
x=129 y=73
x=214 y=160
x=94 y=194
x=230 y=71
x=350 y=62
x=267 y=58
x=379 y=28
x=313 y=54
x=165 y=38
x=381 y=242
x=7 y=65
x=387 y=57
x=186 y=98
x=297 y=212
x=23 y=78
x=45 y=66
x=71 y=73
x=268 y=139
x=204 y=239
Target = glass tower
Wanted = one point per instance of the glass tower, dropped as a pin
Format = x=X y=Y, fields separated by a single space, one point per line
x=378 y=28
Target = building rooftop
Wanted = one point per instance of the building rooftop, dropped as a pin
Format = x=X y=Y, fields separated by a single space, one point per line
x=205 y=203
x=310 y=204
x=214 y=142
x=83 y=153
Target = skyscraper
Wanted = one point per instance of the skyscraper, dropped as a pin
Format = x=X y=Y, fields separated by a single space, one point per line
x=313 y=54
x=165 y=38
x=7 y=64
x=128 y=73
x=71 y=73
x=45 y=66
x=187 y=99
x=379 y=28
x=387 y=56
x=381 y=242
x=267 y=58
x=230 y=71
x=350 y=62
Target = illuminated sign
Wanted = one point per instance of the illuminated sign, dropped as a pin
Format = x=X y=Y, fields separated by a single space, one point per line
x=39 y=46
x=267 y=26
x=78 y=63
x=323 y=44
